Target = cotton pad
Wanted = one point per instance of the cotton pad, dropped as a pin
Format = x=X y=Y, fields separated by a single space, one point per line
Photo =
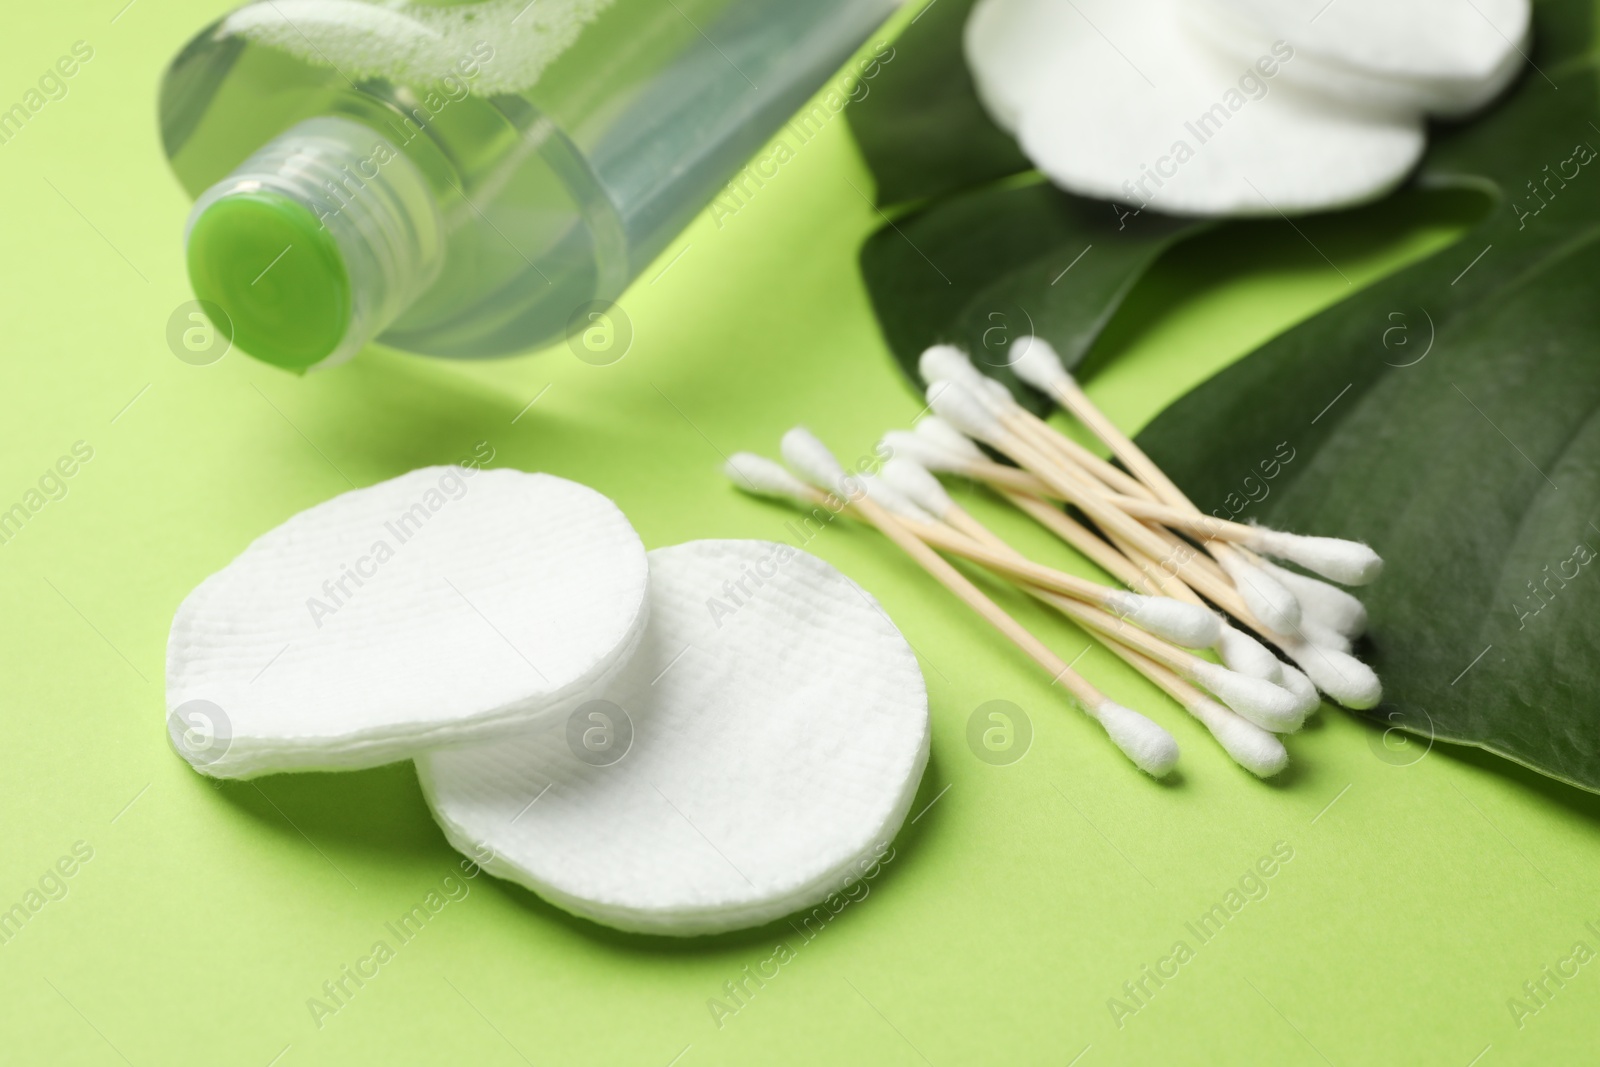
x=445 y=605
x=779 y=729
x=1446 y=57
x=1118 y=99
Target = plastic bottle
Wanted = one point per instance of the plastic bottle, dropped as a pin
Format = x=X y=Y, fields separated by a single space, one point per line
x=468 y=180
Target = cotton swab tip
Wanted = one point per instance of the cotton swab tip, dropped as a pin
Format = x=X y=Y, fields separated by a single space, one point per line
x=1036 y=362
x=956 y=404
x=1242 y=653
x=920 y=450
x=1328 y=604
x=811 y=459
x=894 y=501
x=1269 y=706
x=1263 y=594
x=1345 y=562
x=1254 y=749
x=1151 y=748
x=1322 y=636
x=1295 y=681
x=913 y=480
x=1344 y=678
x=946 y=363
x=1183 y=624
x=952 y=440
x=763 y=477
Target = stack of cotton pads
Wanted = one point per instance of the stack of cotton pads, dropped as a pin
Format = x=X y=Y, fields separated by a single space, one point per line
x=616 y=731
x=1236 y=107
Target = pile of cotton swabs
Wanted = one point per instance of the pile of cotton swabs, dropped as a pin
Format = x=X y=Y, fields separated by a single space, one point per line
x=1193 y=582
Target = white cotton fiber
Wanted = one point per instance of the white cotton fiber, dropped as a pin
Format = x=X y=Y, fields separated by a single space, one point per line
x=1346 y=562
x=1243 y=653
x=892 y=500
x=952 y=440
x=1188 y=625
x=1446 y=57
x=921 y=450
x=962 y=409
x=913 y=480
x=1323 y=636
x=1036 y=362
x=1150 y=747
x=1117 y=99
x=811 y=459
x=764 y=477
x=1269 y=706
x=1295 y=681
x=941 y=362
x=445 y=605
x=1341 y=676
x=1264 y=595
x=1254 y=749
x=779 y=729
x=1328 y=604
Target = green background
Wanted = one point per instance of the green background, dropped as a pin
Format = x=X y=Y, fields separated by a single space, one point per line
x=1425 y=887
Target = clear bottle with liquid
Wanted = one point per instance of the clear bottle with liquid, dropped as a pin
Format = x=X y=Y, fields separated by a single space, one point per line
x=468 y=179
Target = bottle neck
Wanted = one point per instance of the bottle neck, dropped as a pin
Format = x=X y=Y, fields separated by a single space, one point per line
x=368 y=231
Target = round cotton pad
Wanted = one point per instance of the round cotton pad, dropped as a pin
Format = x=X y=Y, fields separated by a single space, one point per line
x=762 y=746
x=1441 y=56
x=1126 y=104
x=448 y=604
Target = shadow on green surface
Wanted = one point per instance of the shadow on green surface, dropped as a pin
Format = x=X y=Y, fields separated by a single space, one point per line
x=377 y=811
x=382 y=811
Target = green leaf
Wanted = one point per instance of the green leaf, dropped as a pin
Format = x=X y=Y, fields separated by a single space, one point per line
x=920 y=127
x=1446 y=414
x=1450 y=416
x=983 y=268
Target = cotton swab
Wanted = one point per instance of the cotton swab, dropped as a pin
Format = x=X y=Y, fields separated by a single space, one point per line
x=1327 y=604
x=1339 y=674
x=1239 y=652
x=945 y=362
x=956 y=405
x=1266 y=597
x=1245 y=654
x=1262 y=702
x=1246 y=588
x=1347 y=562
x=1253 y=748
x=1183 y=624
x=1149 y=746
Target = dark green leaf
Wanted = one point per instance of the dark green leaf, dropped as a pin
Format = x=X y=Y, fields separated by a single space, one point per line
x=1450 y=416
x=920 y=127
x=980 y=269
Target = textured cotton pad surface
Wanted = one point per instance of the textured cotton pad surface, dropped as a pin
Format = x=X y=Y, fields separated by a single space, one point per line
x=447 y=604
x=1127 y=104
x=1442 y=56
x=761 y=748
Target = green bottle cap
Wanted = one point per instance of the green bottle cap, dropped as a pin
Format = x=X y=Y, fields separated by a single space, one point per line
x=271 y=265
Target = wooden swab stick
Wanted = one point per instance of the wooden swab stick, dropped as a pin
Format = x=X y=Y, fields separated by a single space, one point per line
x=1100 y=551
x=1261 y=701
x=1175 y=620
x=1038 y=365
x=1254 y=749
x=1150 y=747
x=1112 y=477
x=955 y=404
